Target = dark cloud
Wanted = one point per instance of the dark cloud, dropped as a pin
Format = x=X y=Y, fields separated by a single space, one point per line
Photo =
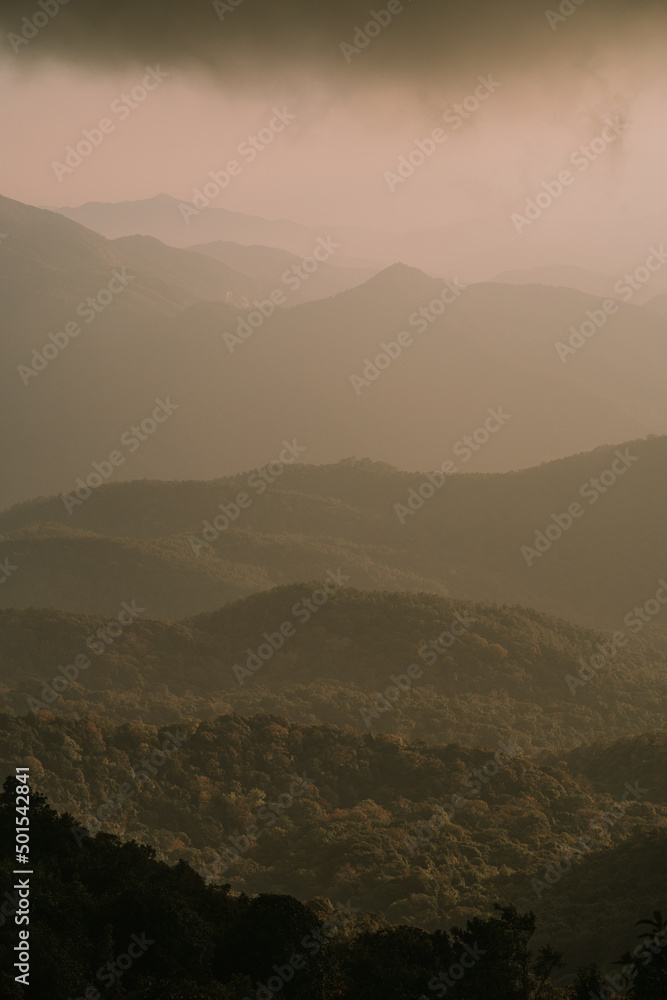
x=256 y=41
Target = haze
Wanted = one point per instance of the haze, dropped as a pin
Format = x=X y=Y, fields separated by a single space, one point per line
x=353 y=120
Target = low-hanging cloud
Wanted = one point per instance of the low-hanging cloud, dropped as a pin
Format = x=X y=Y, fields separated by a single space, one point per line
x=416 y=43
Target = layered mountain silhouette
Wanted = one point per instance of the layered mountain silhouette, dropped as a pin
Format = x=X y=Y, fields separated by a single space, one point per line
x=658 y=305
x=603 y=286
x=172 y=547
x=267 y=267
x=474 y=249
x=307 y=371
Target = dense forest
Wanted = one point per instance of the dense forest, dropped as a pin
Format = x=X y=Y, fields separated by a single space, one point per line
x=481 y=671
x=109 y=919
x=423 y=834
x=426 y=759
x=355 y=733
x=333 y=562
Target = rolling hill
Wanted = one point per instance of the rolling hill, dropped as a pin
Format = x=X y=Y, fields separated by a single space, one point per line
x=474 y=538
x=476 y=671
x=591 y=282
x=658 y=305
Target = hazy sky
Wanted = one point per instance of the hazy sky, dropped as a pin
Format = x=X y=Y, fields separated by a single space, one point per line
x=555 y=78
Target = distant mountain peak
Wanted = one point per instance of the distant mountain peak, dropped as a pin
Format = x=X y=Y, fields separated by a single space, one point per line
x=402 y=278
x=399 y=269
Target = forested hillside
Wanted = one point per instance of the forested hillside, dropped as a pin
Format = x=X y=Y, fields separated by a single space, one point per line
x=172 y=547
x=423 y=834
x=111 y=915
x=465 y=672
